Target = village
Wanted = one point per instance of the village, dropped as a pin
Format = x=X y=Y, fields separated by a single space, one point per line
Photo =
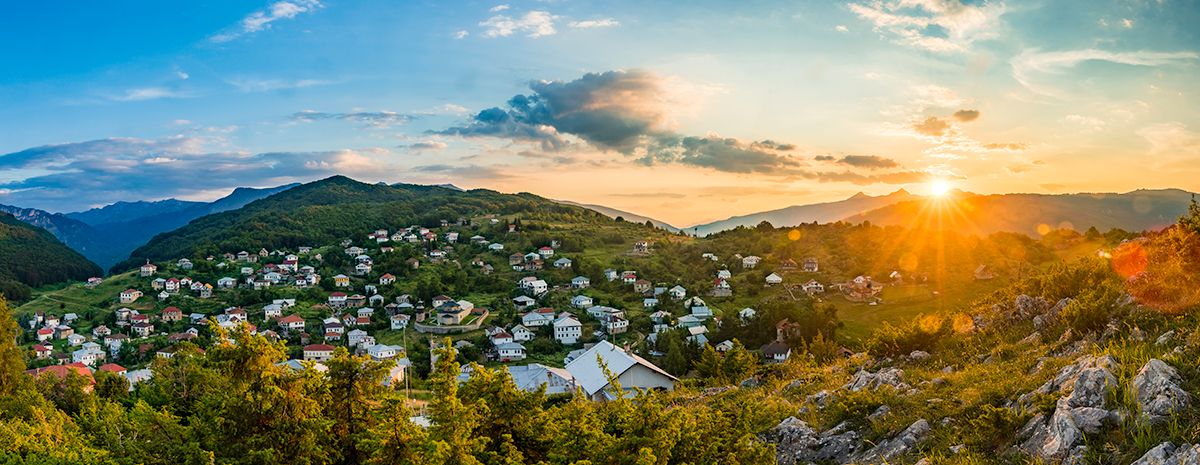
x=547 y=329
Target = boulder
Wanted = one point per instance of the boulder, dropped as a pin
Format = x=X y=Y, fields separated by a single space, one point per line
x=1035 y=339
x=880 y=412
x=1051 y=438
x=821 y=399
x=750 y=382
x=1078 y=456
x=918 y=355
x=796 y=442
x=1091 y=388
x=716 y=390
x=1156 y=387
x=889 y=449
x=1165 y=338
x=891 y=377
x=1159 y=455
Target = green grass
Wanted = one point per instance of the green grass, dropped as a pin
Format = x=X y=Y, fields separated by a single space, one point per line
x=861 y=318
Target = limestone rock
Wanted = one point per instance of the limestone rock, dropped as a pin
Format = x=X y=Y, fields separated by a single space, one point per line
x=1157 y=389
x=892 y=377
x=750 y=382
x=796 y=442
x=1051 y=439
x=821 y=399
x=1078 y=456
x=1035 y=339
x=1165 y=338
x=880 y=412
x=889 y=449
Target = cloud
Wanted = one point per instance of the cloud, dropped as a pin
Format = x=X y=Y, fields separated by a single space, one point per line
x=498 y=8
x=629 y=113
x=536 y=23
x=150 y=93
x=1052 y=187
x=468 y=171
x=824 y=158
x=842 y=29
x=260 y=20
x=78 y=174
x=1023 y=167
x=596 y=23
x=935 y=96
x=1032 y=67
x=460 y=34
x=1095 y=123
x=966 y=116
x=871 y=162
x=373 y=120
x=263 y=85
x=949 y=141
x=1171 y=142
x=426 y=146
x=957 y=25
x=932 y=127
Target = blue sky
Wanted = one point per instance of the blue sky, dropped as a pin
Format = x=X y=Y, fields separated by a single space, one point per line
x=685 y=111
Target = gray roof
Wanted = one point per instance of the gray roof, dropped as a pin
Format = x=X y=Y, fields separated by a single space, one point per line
x=590 y=376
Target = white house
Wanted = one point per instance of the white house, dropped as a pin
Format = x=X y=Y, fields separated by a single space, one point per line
x=773 y=279
x=380 y=352
x=567 y=329
x=523 y=301
x=501 y=338
x=356 y=337
x=399 y=321
x=539 y=317
x=226 y=283
x=746 y=315
x=562 y=263
x=546 y=252
x=580 y=282
x=496 y=247
x=535 y=287
x=776 y=352
x=750 y=262
x=511 y=351
x=677 y=293
x=632 y=371
x=272 y=311
x=649 y=303
x=521 y=334
x=581 y=301
x=88 y=355
x=813 y=287
x=318 y=352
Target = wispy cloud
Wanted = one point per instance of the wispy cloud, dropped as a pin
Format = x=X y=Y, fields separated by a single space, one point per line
x=606 y=22
x=1032 y=67
x=263 y=85
x=535 y=23
x=460 y=34
x=498 y=8
x=913 y=22
x=262 y=19
x=373 y=120
x=150 y=93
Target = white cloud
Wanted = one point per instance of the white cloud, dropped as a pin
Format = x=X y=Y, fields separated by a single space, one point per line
x=597 y=23
x=498 y=8
x=536 y=23
x=149 y=93
x=261 y=85
x=1127 y=23
x=1171 y=142
x=842 y=29
x=911 y=19
x=1095 y=123
x=460 y=34
x=936 y=96
x=1032 y=65
x=260 y=20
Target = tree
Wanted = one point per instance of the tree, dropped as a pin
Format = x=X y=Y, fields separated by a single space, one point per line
x=453 y=421
x=1191 y=219
x=12 y=364
x=354 y=383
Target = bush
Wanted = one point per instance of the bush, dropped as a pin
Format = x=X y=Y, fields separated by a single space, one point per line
x=921 y=333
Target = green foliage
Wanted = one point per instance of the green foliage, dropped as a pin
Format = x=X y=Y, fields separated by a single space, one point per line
x=31 y=257
x=921 y=333
x=12 y=363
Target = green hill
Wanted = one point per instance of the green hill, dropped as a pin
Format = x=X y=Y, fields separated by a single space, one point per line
x=31 y=257
x=330 y=210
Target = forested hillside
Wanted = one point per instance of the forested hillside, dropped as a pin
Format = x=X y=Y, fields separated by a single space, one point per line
x=330 y=210
x=31 y=257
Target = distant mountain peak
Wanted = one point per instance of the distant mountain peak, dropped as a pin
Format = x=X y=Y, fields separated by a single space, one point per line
x=859 y=195
x=900 y=192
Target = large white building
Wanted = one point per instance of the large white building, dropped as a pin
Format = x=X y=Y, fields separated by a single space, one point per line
x=632 y=371
x=567 y=329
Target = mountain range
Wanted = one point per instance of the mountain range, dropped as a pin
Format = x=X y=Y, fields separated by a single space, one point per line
x=106 y=235
x=821 y=212
x=31 y=257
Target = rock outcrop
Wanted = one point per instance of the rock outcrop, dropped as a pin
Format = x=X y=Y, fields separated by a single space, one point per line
x=891 y=377
x=1166 y=453
x=889 y=449
x=1156 y=387
x=796 y=442
x=1052 y=437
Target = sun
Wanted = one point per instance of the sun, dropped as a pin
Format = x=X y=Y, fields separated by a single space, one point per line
x=939 y=188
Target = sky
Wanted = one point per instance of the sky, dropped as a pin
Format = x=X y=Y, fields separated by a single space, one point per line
x=686 y=112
